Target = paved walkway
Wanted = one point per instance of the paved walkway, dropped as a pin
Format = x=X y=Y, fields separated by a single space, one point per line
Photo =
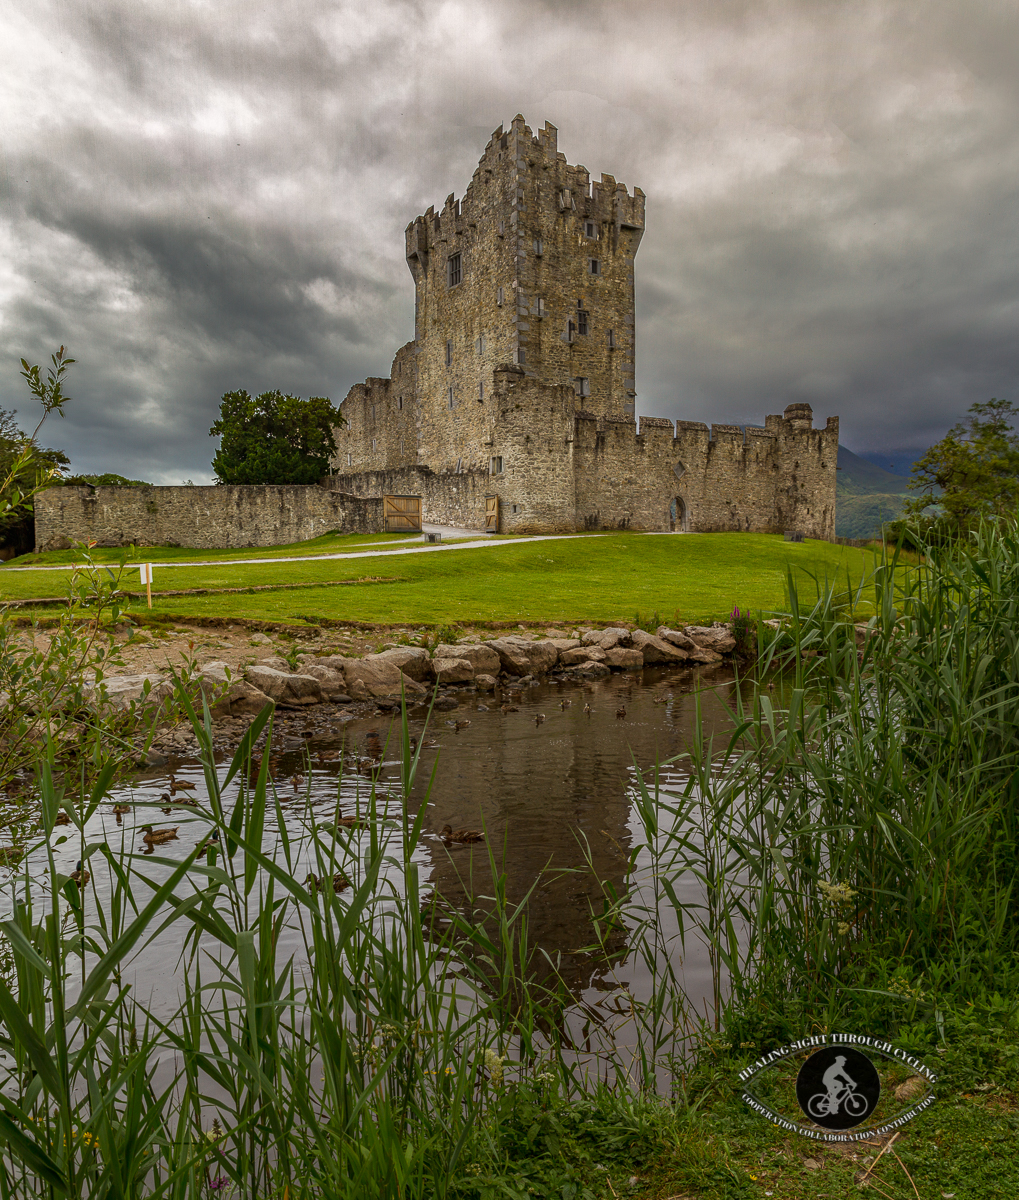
x=479 y=541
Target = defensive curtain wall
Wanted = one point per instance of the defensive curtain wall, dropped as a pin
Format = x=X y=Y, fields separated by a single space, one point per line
x=555 y=468
x=222 y=517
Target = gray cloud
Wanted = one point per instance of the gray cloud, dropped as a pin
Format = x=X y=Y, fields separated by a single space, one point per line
x=203 y=198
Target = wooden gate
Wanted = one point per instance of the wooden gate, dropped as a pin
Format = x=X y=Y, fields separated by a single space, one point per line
x=402 y=514
x=491 y=514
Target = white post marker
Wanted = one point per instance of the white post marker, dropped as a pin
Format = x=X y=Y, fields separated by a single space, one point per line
x=146 y=574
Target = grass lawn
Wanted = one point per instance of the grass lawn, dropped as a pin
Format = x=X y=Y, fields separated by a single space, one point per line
x=689 y=578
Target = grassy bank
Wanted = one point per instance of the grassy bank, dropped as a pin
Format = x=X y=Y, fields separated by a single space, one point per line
x=598 y=578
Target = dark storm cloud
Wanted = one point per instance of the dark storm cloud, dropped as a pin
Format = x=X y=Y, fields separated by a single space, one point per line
x=208 y=197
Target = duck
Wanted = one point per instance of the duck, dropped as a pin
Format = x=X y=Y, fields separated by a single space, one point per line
x=63 y=818
x=458 y=725
x=210 y=843
x=340 y=882
x=343 y=822
x=621 y=711
x=120 y=809
x=178 y=785
x=661 y=700
x=539 y=717
x=565 y=704
x=297 y=781
x=588 y=709
x=9 y=855
x=460 y=836
x=508 y=708
x=80 y=875
x=156 y=837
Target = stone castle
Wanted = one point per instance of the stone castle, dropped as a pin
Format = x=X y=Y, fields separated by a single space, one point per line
x=515 y=401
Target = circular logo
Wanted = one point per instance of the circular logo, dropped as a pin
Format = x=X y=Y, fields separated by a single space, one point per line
x=838 y=1087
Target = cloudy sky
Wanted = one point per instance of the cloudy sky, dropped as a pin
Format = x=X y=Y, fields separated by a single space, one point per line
x=204 y=196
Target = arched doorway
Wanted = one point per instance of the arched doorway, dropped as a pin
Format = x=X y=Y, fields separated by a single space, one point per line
x=677 y=515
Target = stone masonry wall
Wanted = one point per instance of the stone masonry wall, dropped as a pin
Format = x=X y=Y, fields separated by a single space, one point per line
x=447 y=497
x=219 y=517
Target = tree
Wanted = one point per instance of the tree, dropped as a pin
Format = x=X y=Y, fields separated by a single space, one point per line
x=275 y=438
x=973 y=472
x=25 y=466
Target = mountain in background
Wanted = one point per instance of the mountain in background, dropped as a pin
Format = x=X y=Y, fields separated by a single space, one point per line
x=867 y=495
x=898 y=462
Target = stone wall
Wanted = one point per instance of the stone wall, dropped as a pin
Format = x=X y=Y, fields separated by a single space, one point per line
x=219 y=517
x=447 y=497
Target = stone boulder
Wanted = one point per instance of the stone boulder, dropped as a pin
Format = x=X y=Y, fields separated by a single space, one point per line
x=715 y=637
x=589 y=670
x=333 y=682
x=570 y=658
x=284 y=687
x=563 y=643
x=676 y=637
x=656 y=649
x=375 y=676
x=519 y=656
x=605 y=639
x=124 y=690
x=486 y=683
x=621 y=659
x=453 y=670
x=481 y=657
x=229 y=692
x=413 y=661
x=704 y=657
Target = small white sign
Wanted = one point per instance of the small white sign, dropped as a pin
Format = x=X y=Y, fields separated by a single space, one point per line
x=146 y=572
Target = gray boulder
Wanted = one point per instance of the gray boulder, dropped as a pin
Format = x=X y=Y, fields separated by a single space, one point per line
x=570 y=658
x=518 y=656
x=621 y=659
x=605 y=639
x=676 y=637
x=453 y=670
x=589 y=670
x=413 y=661
x=485 y=683
x=375 y=676
x=481 y=657
x=657 y=650
x=229 y=693
x=714 y=637
x=284 y=687
x=124 y=690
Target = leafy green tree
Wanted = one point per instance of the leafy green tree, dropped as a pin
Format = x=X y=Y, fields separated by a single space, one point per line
x=25 y=466
x=973 y=472
x=275 y=438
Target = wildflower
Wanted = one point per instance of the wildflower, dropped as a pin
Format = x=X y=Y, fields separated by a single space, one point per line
x=843 y=928
x=216 y=1132
x=493 y=1064
x=218 y=1183
x=835 y=893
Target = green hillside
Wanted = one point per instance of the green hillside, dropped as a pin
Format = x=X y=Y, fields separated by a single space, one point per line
x=866 y=496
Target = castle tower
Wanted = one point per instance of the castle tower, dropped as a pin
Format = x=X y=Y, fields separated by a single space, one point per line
x=533 y=267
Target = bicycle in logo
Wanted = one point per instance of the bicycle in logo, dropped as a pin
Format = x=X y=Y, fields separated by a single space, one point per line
x=844 y=1096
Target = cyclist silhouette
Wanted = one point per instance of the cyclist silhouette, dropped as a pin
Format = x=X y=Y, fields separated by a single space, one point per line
x=836 y=1080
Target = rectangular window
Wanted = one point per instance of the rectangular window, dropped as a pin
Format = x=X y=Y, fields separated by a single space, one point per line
x=399 y=403
x=516 y=508
x=450 y=397
x=454 y=270
x=538 y=247
x=571 y=330
x=498 y=296
x=594 y=266
x=373 y=412
x=541 y=306
x=590 y=229
x=479 y=345
x=582 y=321
x=502 y=228
x=348 y=460
x=481 y=390
x=449 y=354
x=521 y=356
x=459 y=465
x=582 y=386
x=612 y=339
x=373 y=443
x=496 y=466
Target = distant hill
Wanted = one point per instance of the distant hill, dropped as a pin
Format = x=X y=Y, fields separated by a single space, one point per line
x=866 y=496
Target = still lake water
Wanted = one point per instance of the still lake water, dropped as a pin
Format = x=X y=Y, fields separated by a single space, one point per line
x=542 y=791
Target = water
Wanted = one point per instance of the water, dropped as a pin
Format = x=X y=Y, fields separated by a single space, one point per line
x=547 y=793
